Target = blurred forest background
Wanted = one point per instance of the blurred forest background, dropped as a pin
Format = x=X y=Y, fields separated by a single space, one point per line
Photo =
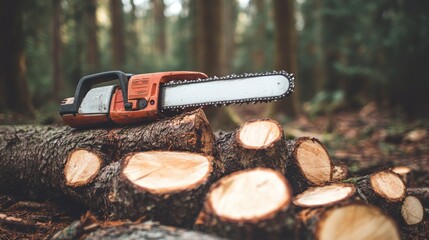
x=345 y=54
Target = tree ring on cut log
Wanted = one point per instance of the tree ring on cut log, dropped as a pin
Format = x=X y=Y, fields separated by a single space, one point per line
x=324 y=195
x=314 y=161
x=412 y=210
x=250 y=195
x=389 y=185
x=81 y=168
x=356 y=222
x=167 y=171
x=259 y=134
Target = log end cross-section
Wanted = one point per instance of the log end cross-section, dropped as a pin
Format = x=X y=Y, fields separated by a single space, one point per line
x=259 y=134
x=308 y=164
x=388 y=185
x=162 y=171
x=82 y=167
x=325 y=195
x=357 y=222
x=412 y=210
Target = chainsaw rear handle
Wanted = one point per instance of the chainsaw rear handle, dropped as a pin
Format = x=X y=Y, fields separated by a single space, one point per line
x=85 y=84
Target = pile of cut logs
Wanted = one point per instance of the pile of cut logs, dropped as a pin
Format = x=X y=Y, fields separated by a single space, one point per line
x=251 y=183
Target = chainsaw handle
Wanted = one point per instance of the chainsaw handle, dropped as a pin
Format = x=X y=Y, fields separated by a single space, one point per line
x=85 y=84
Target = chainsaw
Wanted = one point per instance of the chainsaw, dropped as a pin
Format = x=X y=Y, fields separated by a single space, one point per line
x=150 y=96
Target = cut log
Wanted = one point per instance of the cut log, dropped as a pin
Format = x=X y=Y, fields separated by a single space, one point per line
x=82 y=165
x=257 y=143
x=248 y=204
x=382 y=188
x=168 y=187
x=325 y=195
x=308 y=164
x=412 y=210
x=352 y=221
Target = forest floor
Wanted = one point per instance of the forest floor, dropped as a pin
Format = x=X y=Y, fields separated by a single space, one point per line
x=366 y=140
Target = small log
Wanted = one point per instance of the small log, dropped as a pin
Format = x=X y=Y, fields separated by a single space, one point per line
x=248 y=204
x=412 y=211
x=355 y=221
x=308 y=164
x=382 y=188
x=325 y=195
x=257 y=143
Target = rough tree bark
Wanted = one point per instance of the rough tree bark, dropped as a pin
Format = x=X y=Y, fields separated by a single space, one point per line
x=33 y=160
x=249 y=204
x=93 y=54
x=57 y=47
x=257 y=143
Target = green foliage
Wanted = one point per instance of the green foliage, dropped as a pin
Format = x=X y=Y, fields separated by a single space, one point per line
x=350 y=52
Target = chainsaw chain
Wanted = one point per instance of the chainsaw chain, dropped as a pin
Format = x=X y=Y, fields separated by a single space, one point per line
x=289 y=76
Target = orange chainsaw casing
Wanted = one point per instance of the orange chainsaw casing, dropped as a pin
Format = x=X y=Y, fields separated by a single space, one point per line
x=142 y=86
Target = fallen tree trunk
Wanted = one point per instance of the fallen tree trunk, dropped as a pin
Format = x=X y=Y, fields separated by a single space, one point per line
x=349 y=221
x=89 y=228
x=248 y=204
x=33 y=158
x=257 y=143
x=308 y=164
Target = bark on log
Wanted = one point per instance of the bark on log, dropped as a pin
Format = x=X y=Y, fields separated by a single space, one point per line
x=32 y=158
x=324 y=196
x=355 y=221
x=257 y=143
x=308 y=164
x=248 y=204
x=340 y=172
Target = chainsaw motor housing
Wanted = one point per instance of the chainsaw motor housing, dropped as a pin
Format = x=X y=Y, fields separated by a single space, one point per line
x=136 y=99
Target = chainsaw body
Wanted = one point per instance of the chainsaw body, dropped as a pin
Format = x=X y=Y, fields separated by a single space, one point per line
x=136 y=99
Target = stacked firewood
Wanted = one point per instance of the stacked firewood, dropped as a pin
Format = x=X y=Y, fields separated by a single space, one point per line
x=251 y=183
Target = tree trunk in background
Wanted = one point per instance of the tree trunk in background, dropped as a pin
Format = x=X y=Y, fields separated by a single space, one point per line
x=229 y=14
x=57 y=50
x=77 y=71
x=285 y=51
x=159 y=17
x=209 y=36
x=133 y=40
x=319 y=68
x=117 y=33
x=260 y=40
x=93 y=54
x=14 y=94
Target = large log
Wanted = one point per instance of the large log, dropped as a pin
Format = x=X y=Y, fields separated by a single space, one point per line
x=83 y=165
x=248 y=204
x=350 y=221
x=33 y=158
x=257 y=143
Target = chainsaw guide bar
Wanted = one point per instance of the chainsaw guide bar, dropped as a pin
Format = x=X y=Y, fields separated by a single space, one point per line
x=150 y=96
x=214 y=85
